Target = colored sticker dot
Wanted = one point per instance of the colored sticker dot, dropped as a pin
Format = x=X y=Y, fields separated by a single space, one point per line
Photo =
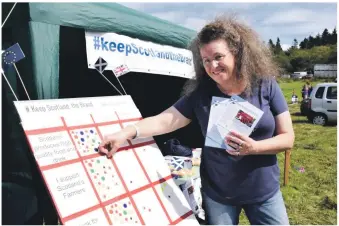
x=93 y=140
x=87 y=136
x=125 y=212
x=91 y=131
x=78 y=142
x=111 y=211
x=116 y=211
x=130 y=218
x=125 y=206
x=98 y=161
x=105 y=172
x=115 y=205
x=90 y=164
x=99 y=183
x=82 y=133
x=102 y=178
x=131 y=182
x=96 y=149
x=126 y=219
x=82 y=139
x=76 y=137
x=95 y=177
x=149 y=210
x=92 y=170
x=120 y=214
x=169 y=196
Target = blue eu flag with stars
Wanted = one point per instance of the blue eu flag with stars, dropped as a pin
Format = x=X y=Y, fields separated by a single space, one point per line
x=12 y=55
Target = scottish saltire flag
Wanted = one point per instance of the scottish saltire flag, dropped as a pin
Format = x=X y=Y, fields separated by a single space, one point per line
x=100 y=64
x=12 y=55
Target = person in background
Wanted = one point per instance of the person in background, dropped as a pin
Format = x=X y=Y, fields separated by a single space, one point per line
x=294 y=97
x=230 y=59
x=306 y=90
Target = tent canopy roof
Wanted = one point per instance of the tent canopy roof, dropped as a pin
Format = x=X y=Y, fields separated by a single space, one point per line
x=104 y=17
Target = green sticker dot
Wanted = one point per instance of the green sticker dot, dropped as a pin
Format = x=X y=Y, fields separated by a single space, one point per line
x=103 y=178
x=93 y=140
x=125 y=212
x=92 y=170
x=98 y=161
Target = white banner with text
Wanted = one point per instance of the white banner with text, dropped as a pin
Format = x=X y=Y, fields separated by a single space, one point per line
x=138 y=55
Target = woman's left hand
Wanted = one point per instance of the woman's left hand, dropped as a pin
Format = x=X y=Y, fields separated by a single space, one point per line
x=244 y=145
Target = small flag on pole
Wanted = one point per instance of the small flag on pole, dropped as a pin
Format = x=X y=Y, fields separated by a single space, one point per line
x=121 y=70
x=100 y=65
x=12 y=55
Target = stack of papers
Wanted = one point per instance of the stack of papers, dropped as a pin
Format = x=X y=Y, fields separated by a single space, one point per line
x=230 y=114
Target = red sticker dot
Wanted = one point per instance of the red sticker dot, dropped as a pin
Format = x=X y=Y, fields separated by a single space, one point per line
x=76 y=137
x=111 y=211
x=115 y=205
x=119 y=214
x=116 y=211
x=95 y=177
x=90 y=164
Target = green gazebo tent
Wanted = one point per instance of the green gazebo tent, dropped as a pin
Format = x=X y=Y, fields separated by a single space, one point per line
x=52 y=36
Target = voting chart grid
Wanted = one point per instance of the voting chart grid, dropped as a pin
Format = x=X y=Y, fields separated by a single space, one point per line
x=135 y=186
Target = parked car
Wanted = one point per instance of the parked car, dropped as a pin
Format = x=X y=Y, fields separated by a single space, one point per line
x=298 y=74
x=323 y=104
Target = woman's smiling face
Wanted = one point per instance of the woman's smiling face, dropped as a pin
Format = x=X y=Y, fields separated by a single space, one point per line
x=218 y=61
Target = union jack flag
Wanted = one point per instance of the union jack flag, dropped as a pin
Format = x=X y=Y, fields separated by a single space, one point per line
x=121 y=70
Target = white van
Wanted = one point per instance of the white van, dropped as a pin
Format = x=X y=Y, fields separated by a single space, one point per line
x=299 y=74
x=323 y=104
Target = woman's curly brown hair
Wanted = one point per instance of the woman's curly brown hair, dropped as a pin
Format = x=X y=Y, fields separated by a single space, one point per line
x=253 y=58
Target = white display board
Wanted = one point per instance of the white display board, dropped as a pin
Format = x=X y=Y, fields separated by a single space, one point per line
x=135 y=186
x=122 y=52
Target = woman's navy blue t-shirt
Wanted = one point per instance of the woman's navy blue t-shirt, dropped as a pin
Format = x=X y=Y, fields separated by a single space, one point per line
x=230 y=179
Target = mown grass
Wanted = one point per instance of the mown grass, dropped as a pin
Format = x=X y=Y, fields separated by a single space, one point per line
x=310 y=197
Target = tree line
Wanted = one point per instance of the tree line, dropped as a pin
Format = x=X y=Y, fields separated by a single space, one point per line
x=321 y=49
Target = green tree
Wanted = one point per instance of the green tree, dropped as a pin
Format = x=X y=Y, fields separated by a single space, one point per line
x=333 y=37
x=317 y=40
x=271 y=45
x=278 y=48
x=325 y=37
x=295 y=44
x=310 y=42
x=284 y=62
x=303 y=44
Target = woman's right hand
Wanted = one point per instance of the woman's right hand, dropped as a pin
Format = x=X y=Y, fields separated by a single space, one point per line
x=111 y=143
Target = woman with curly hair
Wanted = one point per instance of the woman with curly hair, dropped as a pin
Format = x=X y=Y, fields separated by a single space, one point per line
x=230 y=59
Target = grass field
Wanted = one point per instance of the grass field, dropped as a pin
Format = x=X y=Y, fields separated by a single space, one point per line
x=310 y=197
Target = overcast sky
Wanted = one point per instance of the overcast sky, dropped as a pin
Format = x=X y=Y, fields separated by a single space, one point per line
x=271 y=20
